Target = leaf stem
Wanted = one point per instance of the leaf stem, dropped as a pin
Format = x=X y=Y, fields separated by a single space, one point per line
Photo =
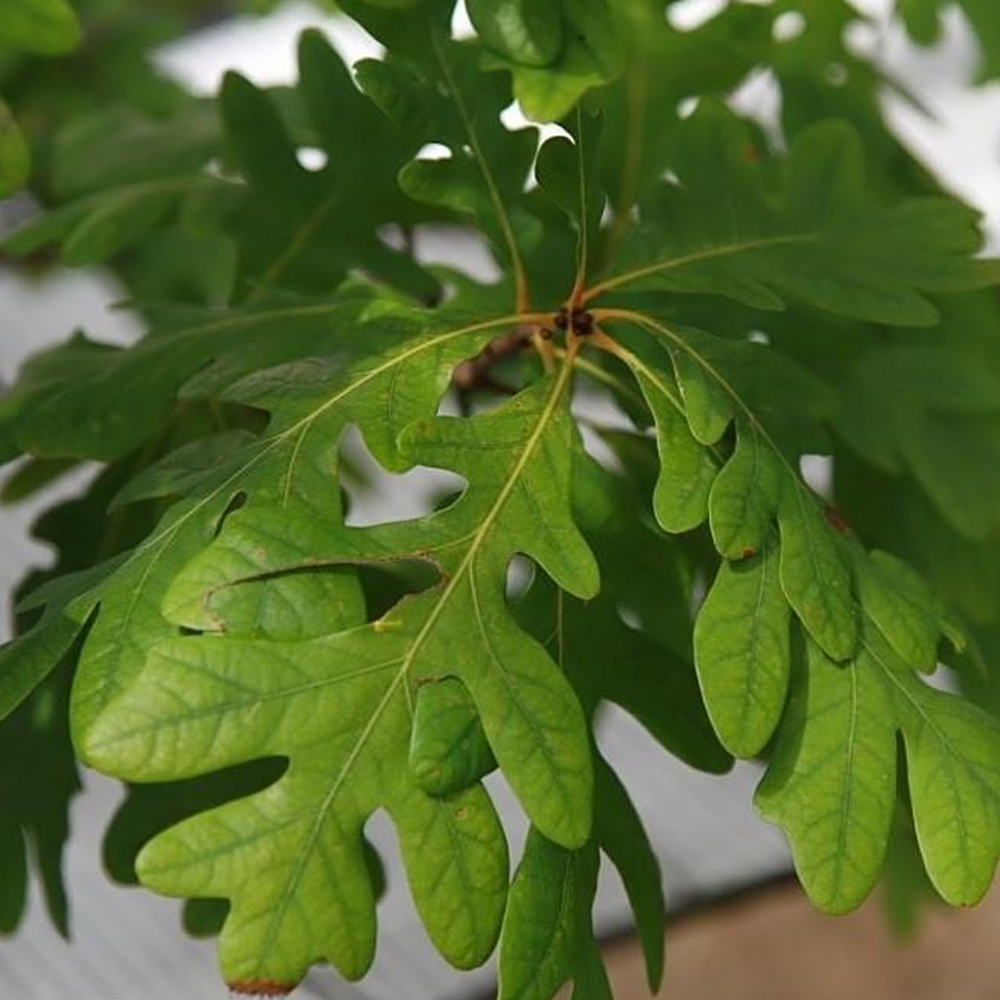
x=583 y=248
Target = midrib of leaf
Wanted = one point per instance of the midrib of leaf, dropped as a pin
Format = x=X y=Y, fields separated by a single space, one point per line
x=167 y=535
x=523 y=296
x=478 y=538
x=848 y=796
x=750 y=693
x=710 y=253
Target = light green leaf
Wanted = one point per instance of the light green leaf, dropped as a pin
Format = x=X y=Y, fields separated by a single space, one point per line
x=832 y=781
x=591 y=55
x=838 y=746
x=515 y=460
x=448 y=749
x=292 y=464
x=900 y=604
x=525 y=31
x=360 y=684
x=546 y=933
x=741 y=649
x=687 y=468
x=814 y=573
x=745 y=496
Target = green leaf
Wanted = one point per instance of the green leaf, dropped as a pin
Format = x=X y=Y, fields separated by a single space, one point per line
x=275 y=468
x=442 y=98
x=547 y=937
x=901 y=606
x=356 y=685
x=923 y=19
x=940 y=422
x=448 y=749
x=304 y=229
x=525 y=31
x=839 y=746
x=591 y=55
x=687 y=468
x=741 y=643
x=622 y=838
x=723 y=382
x=268 y=677
x=529 y=714
x=15 y=157
x=835 y=742
x=823 y=242
x=566 y=171
x=48 y=27
x=38 y=780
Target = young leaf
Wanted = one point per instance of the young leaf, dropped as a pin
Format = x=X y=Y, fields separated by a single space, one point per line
x=515 y=460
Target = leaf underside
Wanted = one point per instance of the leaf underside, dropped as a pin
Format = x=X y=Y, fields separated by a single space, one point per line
x=268 y=671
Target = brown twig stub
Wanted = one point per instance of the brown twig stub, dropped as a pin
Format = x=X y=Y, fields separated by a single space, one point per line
x=475 y=373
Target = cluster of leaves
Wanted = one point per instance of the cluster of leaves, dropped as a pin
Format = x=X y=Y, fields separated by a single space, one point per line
x=269 y=674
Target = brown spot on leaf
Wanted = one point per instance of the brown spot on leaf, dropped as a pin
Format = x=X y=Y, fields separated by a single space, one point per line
x=751 y=154
x=460 y=813
x=261 y=988
x=749 y=553
x=837 y=520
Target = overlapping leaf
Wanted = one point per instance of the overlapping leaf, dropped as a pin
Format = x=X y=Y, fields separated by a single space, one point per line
x=430 y=98
x=255 y=696
x=581 y=39
x=940 y=422
x=872 y=611
x=817 y=238
x=838 y=746
x=294 y=462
